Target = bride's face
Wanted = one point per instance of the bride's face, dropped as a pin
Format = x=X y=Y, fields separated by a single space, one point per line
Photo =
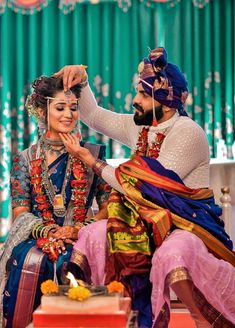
x=63 y=113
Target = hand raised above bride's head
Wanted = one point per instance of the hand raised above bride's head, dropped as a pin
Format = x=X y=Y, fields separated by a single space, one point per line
x=72 y=75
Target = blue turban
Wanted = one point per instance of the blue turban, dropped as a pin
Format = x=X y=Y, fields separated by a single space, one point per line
x=163 y=80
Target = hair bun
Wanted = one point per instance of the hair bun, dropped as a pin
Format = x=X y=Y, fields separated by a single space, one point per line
x=158 y=58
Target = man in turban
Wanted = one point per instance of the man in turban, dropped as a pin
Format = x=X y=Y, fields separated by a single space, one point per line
x=163 y=225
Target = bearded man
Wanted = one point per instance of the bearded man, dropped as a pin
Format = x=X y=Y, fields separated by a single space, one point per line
x=163 y=226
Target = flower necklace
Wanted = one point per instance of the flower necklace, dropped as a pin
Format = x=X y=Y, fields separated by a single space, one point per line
x=143 y=148
x=44 y=189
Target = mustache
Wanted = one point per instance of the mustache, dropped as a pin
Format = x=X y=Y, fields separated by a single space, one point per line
x=137 y=106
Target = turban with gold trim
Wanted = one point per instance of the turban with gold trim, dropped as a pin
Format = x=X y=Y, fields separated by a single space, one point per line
x=162 y=80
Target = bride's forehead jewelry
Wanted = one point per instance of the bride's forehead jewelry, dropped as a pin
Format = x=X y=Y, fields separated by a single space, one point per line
x=68 y=93
x=67 y=100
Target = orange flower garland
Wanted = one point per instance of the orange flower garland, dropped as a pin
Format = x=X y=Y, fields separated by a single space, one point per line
x=41 y=199
x=78 y=185
x=144 y=149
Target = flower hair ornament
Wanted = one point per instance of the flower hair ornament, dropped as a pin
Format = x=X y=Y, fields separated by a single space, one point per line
x=32 y=110
x=31 y=107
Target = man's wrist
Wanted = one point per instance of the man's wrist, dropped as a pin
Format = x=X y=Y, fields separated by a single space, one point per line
x=98 y=166
x=84 y=78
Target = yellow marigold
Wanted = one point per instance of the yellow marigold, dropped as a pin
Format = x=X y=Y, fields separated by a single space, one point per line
x=49 y=287
x=115 y=287
x=79 y=293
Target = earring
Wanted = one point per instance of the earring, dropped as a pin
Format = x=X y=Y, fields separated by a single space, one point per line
x=48 y=132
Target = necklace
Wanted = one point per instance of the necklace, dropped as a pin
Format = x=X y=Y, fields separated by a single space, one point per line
x=54 y=146
x=56 y=200
x=53 y=142
x=47 y=201
x=144 y=149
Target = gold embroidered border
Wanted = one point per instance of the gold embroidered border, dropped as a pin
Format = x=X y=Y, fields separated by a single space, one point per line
x=81 y=261
x=178 y=274
x=212 y=315
x=32 y=263
x=163 y=318
x=77 y=257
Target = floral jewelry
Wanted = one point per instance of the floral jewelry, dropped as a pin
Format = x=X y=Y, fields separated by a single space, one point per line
x=79 y=187
x=36 y=180
x=143 y=148
x=56 y=200
x=49 y=247
x=41 y=184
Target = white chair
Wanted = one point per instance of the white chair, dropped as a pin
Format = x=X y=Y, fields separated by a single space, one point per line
x=226 y=210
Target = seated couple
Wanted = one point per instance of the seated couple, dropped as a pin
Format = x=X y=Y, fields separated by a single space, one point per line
x=163 y=229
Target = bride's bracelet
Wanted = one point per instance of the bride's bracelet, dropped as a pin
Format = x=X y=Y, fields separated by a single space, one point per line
x=49 y=228
x=41 y=231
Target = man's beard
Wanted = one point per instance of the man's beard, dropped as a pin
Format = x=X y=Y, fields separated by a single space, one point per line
x=146 y=118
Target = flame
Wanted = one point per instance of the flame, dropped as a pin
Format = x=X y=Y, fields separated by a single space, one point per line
x=73 y=281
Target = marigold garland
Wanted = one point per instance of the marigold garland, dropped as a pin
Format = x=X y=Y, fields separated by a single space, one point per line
x=36 y=180
x=78 y=185
x=115 y=287
x=79 y=293
x=49 y=287
x=143 y=148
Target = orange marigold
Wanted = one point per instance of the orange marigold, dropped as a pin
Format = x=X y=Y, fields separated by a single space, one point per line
x=49 y=287
x=79 y=293
x=115 y=287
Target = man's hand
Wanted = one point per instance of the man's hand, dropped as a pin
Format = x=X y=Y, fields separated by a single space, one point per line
x=72 y=145
x=72 y=75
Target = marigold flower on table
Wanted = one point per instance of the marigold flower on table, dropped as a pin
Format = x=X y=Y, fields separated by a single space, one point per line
x=79 y=293
x=49 y=287
x=115 y=287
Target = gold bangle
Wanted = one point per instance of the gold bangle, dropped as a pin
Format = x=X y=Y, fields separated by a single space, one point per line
x=34 y=229
x=37 y=230
x=79 y=225
x=48 y=228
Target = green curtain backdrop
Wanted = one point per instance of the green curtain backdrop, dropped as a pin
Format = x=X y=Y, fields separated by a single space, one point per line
x=111 y=41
